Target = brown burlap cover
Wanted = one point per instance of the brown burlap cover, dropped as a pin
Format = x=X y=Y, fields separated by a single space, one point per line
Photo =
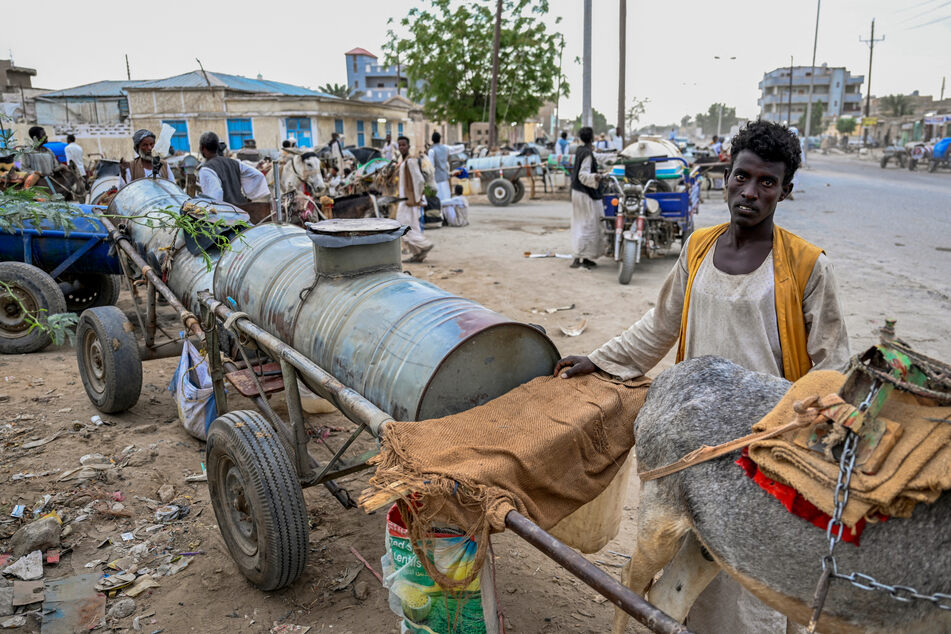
x=545 y=448
x=916 y=470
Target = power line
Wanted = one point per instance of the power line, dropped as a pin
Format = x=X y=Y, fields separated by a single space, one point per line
x=928 y=11
x=935 y=21
x=914 y=6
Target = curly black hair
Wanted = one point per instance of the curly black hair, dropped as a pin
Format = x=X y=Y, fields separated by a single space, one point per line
x=771 y=142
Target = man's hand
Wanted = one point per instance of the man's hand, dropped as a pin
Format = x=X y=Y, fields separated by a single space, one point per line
x=574 y=365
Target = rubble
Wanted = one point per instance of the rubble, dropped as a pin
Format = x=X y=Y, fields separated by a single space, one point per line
x=39 y=535
x=121 y=609
x=166 y=493
x=28 y=568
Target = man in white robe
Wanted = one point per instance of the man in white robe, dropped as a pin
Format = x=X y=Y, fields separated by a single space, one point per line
x=587 y=212
x=412 y=184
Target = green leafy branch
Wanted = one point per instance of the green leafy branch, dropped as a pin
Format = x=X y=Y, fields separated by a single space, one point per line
x=60 y=327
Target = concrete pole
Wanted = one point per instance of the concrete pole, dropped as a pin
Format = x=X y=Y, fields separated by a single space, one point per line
x=812 y=78
x=586 y=117
x=789 y=109
x=493 y=91
x=622 y=66
x=719 y=120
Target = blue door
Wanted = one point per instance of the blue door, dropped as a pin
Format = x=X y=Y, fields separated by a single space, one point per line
x=238 y=131
x=361 y=139
x=298 y=128
x=180 y=138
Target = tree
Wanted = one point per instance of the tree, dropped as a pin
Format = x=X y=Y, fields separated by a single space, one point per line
x=897 y=105
x=448 y=48
x=635 y=112
x=816 y=124
x=337 y=90
x=599 y=125
x=685 y=121
x=846 y=125
x=708 y=122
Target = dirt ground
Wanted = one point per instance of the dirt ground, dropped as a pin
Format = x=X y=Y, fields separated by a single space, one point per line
x=41 y=394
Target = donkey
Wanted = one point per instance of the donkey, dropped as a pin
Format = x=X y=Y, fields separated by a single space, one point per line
x=750 y=535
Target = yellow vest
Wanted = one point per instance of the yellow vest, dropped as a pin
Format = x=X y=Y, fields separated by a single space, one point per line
x=793 y=261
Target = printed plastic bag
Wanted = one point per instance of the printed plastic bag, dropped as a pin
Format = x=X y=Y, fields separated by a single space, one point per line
x=423 y=605
x=194 y=395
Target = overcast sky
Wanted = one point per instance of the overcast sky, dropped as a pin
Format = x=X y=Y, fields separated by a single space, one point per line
x=670 y=45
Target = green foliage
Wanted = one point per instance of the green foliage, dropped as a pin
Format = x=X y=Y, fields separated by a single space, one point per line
x=599 y=122
x=816 y=125
x=449 y=48
x=635 y=112
x=708 y=121
x=898 y=105
x=60 y=327
x=337 y=90
x=685 y=121
x=846 y=125
x=193 y=222
x=20 y=207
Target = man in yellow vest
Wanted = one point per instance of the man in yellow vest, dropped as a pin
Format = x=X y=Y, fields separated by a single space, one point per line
x=748 y=291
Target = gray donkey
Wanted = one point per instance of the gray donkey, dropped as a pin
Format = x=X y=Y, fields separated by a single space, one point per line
x=749 y=534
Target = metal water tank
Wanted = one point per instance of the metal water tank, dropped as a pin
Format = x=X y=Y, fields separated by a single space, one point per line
x=336 y=292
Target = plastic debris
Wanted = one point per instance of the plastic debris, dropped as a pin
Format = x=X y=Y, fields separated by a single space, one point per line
x=114 y=582
x=141 y=584
x=346 y=578
x=52 y=556
x=288 y=628
x=127 y=537
x=167 y=513
x=13 y=622
x=575 y=330
x=18 y=510
x=40 y=505
x=548 y=254
x=42 y=441
x=178 y=566
x=28 y=568
x=552 y=310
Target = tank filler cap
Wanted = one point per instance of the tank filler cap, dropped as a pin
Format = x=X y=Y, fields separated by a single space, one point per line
x=347 y=232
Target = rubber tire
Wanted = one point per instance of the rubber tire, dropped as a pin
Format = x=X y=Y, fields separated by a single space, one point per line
x=500 y=192
x=932 y=166
x=104 y=339
x=519 y=190
x=884 y=162
x=105 y=287
x=44 y=293
x=242 y=444
x=912 y=164
x=628 y=259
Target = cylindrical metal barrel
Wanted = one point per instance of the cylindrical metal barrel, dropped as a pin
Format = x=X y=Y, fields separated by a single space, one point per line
x=408 y=346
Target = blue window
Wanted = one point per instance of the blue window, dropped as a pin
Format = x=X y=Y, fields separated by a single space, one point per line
x=375 y=128
x=298 y=128
x=338 y=126
x=399 y=128
x=180 y=138
x=361 y=139
x=389 y=128
x=238 y=131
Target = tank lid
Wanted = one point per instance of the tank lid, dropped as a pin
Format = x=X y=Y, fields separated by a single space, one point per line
x=347 y=232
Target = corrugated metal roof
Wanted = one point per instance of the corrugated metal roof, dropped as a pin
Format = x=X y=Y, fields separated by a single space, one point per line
x=196 y=79
x=360 y=51
x=108 y=88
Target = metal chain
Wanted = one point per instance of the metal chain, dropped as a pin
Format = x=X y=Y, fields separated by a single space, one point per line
x=835 y=528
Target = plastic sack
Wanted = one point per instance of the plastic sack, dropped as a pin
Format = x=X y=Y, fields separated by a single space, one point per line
x=422 y=604
x=191 y=387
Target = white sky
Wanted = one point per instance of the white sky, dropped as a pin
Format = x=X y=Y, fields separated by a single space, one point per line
x=670 y=45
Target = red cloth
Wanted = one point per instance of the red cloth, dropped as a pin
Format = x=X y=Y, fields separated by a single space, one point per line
x=794 y=502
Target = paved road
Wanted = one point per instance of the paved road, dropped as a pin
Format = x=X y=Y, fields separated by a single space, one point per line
x=887 y=231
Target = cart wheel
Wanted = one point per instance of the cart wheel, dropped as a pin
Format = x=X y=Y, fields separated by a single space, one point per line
x=933 y=166
x=519 y=190
x=501 y=192
x=108 y=358
x=628 y=259
x=33 y=293
x=912 y=164
x=884 y=162
x=89 y=291
x=257 y=499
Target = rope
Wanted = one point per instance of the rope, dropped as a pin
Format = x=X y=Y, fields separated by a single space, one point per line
x=233 y=317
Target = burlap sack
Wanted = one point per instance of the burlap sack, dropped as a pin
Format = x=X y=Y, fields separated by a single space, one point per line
x=917 y=469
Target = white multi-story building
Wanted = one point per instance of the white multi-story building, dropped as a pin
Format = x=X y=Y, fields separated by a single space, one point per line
x=839 y=92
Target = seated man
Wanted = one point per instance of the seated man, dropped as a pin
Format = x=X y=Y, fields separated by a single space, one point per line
x=455 y=210
x=748 y=291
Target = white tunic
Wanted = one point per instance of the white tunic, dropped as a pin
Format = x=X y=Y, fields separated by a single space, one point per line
x=587 y=218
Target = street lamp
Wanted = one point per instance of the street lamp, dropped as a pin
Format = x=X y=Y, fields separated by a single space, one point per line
x=720 y=114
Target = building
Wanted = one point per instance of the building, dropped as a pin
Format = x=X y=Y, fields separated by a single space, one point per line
x=839 y=92
x=17 y=91
x=238 y=108
x=924 y=118
x=370 y=80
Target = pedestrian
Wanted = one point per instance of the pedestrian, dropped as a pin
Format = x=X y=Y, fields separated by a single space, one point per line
x=439 y=157
x=334 y=183
x=142 y=165
x=389 y=148
x=672 y=135
x=748 y=291
x=602 y=144
x=336 y=153
x=225 y=179
x=587 y=233
x=411 y=195
x=717 y=146
x=74 y=154
x=617 y=142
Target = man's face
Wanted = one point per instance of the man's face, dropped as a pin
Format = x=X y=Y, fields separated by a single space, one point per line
x=389 y=139
x=145 y=146
x=754 y=188
x=403 y=147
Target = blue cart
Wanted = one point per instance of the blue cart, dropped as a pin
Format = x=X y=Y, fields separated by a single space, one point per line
x=47 y=270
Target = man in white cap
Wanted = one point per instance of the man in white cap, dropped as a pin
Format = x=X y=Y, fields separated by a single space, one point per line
x=141 y=167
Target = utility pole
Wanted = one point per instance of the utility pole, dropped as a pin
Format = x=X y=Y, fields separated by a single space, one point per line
x=622 y=66
x=557 y=123
x=789 y=109
x=493 y=92
x=868 y=95
x=812 y=78
x=128 y=72
x=586 y=118
x=942 y=89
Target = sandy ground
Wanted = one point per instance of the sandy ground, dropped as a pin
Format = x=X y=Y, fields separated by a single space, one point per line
x=41 y=394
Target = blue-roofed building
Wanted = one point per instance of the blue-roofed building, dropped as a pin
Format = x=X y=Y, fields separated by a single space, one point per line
x=100 y=102
x=240 y=108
